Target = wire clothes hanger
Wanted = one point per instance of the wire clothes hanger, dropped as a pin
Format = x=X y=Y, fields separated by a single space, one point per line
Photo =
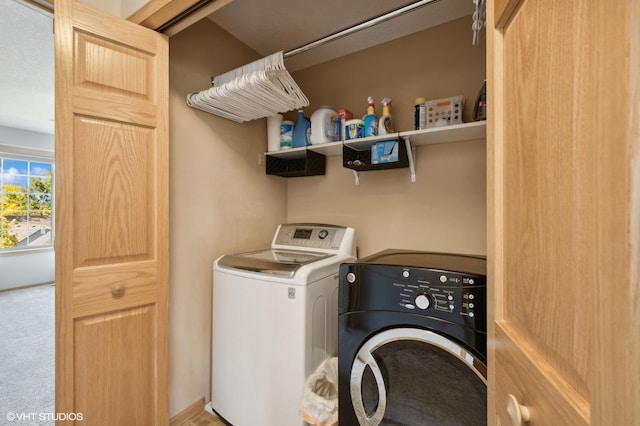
x=259 y=89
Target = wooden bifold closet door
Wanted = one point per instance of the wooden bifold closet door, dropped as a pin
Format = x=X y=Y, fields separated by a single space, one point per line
x=564 y=203
x=111 y=218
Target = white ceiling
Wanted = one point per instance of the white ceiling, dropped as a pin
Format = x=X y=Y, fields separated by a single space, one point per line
x=26 y=68
x=274 y=25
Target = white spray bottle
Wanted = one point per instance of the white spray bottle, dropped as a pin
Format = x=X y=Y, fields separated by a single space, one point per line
x=385 y=124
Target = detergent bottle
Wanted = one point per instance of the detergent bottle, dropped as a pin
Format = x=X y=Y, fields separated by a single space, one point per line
x=370 y=120
x=385 y=124
x=322 y=129
x=301 y=131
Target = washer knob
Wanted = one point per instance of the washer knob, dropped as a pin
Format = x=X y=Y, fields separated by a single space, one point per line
x=323 y=234
x=423 y=301
x=351 y=277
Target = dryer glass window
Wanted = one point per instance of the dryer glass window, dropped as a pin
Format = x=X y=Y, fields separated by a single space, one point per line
x=415 y=382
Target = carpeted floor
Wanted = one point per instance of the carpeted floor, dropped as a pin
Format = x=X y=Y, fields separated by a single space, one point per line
x=27 y=355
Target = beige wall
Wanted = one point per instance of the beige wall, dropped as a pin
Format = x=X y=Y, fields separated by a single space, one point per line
x=221 y=201
x=445 y=209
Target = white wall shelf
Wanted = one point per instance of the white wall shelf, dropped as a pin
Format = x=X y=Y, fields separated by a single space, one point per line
x=289 y=154
x=436 y=135
x=446 y=134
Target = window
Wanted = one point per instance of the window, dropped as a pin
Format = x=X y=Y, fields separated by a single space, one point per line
x=26 y=202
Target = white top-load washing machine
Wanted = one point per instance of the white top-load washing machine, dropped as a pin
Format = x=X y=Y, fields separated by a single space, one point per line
x=275 y=319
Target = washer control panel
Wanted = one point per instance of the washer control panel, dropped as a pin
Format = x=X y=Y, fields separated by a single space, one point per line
x=451 y=296
x=312 y=236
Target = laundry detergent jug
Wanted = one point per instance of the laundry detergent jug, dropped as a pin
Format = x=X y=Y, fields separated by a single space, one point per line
x=301 y=131
x=323 y=129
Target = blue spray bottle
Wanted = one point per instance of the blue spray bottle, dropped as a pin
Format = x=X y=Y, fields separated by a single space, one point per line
x=370 y=120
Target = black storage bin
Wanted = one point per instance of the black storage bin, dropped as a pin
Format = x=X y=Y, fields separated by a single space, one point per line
x=307 y=163
x=360 y=159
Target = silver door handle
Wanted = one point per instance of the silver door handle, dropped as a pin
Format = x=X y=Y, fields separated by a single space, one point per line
x=363 y=360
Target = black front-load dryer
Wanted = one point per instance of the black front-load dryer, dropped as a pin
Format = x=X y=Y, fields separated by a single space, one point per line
x=412 y=342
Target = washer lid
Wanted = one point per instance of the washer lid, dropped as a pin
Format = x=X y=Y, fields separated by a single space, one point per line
x=271 y=261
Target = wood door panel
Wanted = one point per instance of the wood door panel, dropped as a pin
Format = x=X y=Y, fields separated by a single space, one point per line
x=112 y=352
x=543 y=217
x=114 y=199
x=547 y=186
x=116 y=69
x=544 y=391
x=93 y=51
x=93 y=287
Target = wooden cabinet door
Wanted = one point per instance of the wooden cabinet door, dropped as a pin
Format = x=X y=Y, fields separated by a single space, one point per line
x=563 y=211
x=111 y=214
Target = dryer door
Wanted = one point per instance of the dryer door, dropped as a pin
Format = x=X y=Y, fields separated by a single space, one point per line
x=409 y=376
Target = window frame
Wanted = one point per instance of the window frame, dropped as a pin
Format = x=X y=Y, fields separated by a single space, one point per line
x=32 y=156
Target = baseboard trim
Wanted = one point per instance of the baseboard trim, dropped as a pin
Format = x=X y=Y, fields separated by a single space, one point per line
x=192 y=410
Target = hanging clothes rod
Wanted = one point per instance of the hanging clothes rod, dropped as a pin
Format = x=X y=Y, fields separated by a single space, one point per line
x=358 y=27
x=355 y=28
x=250 y=92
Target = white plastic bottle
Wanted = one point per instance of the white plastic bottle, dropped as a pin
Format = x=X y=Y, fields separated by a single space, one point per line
x=274 y=128
x=322 y=131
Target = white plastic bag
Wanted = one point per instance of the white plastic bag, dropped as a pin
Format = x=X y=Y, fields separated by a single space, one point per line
x=320 y=398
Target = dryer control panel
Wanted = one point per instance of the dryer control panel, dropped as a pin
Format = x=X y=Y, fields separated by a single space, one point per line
x=453 y=295
x=442 y=291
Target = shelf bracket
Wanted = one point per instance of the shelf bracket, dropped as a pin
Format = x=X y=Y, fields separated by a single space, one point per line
x=412 y=164
x=356 y=175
